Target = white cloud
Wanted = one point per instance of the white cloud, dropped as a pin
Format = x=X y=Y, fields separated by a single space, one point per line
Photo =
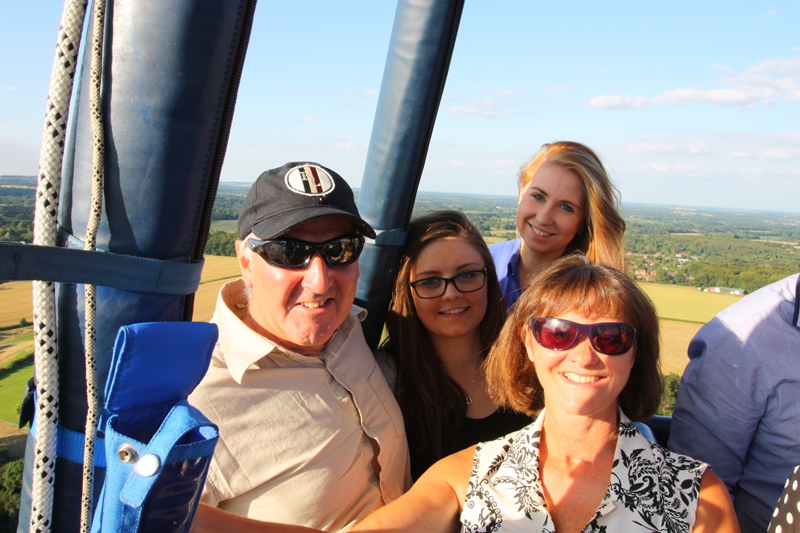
x=558 y=88
x=771 y=13
x=361 y=92
x=10 y=88
x=307 y=119
x=769 y=82
x=617 y=101
x=766 y=147
x=485 y=107
x=496 y=91
x=346 y=146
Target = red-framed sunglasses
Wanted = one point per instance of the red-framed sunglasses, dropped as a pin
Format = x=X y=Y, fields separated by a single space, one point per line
x=610 y=338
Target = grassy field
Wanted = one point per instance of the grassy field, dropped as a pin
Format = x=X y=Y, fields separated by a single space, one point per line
x=225 y=225
x=12 y=389
x=674 y=302
x=17 y=302
x=216 y=272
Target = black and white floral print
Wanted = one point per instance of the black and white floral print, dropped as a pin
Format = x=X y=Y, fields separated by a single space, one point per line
x=651 y=488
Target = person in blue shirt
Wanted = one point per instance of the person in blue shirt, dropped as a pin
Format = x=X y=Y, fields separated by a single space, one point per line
x=738 y=405
x=567 y=204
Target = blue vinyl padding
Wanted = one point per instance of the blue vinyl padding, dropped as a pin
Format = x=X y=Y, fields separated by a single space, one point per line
x=24 y=262
x=417 y=62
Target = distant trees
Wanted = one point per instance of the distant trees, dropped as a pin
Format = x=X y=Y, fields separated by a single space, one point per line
x=10 y=488
x=221 y=243
x=670 y=394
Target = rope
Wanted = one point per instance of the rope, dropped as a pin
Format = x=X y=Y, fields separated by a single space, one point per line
x=45 y=226
x=90 y=333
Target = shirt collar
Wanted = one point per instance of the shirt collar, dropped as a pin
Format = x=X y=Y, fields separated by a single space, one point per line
x=242 y=347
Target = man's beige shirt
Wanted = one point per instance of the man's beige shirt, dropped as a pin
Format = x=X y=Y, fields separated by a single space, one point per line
x=296 y=432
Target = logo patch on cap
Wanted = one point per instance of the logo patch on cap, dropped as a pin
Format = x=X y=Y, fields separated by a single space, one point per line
x=309 y=180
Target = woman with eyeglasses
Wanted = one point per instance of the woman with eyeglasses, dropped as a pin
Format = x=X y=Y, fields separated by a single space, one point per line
x=445 y=313
x=567 y=203
x=581 y=350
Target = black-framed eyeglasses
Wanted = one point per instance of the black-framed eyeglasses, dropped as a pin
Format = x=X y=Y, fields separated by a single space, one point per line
x=467 y=281
x=610 y=338
x=295 y=254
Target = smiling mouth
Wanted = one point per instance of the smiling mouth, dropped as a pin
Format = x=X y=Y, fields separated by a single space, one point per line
x=454 y=311
x=581 y=379
x=313 y=305
x=539 y=232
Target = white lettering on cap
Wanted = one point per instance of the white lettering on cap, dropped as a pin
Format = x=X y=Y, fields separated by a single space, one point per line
x=309 y=180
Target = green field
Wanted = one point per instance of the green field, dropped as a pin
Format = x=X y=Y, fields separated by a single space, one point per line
x=12 y=390
x=12 y=387
x=686 y=304
x=225 y=225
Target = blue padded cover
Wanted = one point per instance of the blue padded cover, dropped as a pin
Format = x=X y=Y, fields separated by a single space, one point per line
x=154 y=368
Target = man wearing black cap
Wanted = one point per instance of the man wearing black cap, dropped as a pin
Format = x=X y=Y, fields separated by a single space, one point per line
x=310 y=433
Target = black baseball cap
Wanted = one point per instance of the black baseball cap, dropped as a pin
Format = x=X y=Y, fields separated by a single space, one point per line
x=285 y=197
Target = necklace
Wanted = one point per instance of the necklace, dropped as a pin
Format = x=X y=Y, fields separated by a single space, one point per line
x=468 y=399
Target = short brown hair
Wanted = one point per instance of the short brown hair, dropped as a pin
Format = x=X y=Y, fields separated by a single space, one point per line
x=574 y=283
x=601 y=241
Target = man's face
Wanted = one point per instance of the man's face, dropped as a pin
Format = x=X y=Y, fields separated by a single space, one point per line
x=301 y=309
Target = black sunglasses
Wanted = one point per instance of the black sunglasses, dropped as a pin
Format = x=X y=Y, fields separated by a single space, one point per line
x=611 y=338
x=294 y=254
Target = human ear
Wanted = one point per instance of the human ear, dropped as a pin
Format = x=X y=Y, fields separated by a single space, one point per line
x=528 y=340
x=243 y=257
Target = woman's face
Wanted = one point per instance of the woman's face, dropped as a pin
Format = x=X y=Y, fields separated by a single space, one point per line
x=580 y=380
x=455 y=313
x=551 y=211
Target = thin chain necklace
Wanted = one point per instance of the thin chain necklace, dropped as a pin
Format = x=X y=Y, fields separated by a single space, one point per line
x=469 y=398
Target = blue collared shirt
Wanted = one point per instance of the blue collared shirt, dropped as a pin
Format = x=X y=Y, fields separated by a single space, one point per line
x=738 y=405
x=506 y=262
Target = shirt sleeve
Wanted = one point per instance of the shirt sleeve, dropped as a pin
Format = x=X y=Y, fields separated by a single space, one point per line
x=720 y=401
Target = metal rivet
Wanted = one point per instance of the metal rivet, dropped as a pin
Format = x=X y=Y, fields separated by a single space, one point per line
x=148 y=465
x=127 y=453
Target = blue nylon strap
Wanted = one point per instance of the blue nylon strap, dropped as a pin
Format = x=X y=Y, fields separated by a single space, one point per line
x=180 y=420
x=24 y=262
x=69 y=446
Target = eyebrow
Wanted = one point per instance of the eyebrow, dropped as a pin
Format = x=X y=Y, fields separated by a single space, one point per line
x=545 y=193
x=459 y=269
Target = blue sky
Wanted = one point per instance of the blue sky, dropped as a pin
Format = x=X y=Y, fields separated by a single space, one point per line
x=689 y=103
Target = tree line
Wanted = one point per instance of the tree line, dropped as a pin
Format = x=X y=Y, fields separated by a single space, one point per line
x=685 y=246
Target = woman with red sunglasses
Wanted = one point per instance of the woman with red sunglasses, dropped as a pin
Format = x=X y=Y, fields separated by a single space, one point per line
x=581 y=350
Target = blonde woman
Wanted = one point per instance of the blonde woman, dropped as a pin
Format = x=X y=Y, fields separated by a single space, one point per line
x=567 y=203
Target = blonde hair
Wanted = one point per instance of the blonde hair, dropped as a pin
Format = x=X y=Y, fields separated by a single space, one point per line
x=601 y=240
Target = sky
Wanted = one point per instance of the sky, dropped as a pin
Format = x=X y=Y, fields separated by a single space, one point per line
x=688 y=103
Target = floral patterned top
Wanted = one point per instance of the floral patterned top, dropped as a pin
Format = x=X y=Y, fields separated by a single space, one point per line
x=651 y=488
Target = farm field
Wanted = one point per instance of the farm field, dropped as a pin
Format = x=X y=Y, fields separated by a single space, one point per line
x=216 y=272
x=225 y=225
x=674 y=302
x=17 y=302
x=12 y=390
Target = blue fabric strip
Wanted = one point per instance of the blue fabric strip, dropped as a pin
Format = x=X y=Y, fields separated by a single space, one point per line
x=24 y=262
x=69 y=446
